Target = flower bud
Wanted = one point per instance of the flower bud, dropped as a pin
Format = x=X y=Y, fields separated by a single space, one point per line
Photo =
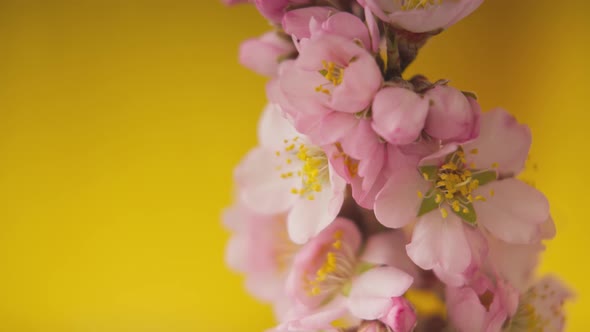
x=263 y=54
x=452 y=116
x=401 y=317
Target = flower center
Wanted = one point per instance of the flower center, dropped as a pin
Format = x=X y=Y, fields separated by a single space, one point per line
x=337 y=269
x=313 y=171
x=453 y=184
x=333 y=73
x=418 y=4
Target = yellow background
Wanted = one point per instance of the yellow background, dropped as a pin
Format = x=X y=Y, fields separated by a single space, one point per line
x=121 y=121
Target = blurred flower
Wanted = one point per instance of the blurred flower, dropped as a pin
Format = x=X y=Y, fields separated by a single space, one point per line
x=260 y=248
x=422 y=15
x=541 y=308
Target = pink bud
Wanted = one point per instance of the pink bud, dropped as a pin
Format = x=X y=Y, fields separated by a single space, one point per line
x=401 y=317
x=263 y=54
x=399 y=115
x=452 y=116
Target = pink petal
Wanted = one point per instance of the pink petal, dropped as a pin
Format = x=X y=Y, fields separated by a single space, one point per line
x=349 y=26
x=398 y=202
x=330 y=128
x=298 y=88
x=371 y=293
x=260 y=185
x=399 y=115
x=235 y=252
x=309 y=217
x=327 y=47
x=373 y=29
x=465 y=311
x=274 y=128
x=362 y=80
x=501 y=141
x=389 y=248
x=296 y=22
x=514 y=213
x=442 y=242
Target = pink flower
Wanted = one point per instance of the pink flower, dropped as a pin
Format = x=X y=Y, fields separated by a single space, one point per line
x=332 y=279
x=468 y=185
x=326 y=264
x=452 y=116
x=422 y=15
x=332 y=73
x=541 y=308
x=264 y=54
x=288 y=174
x=274 y=10
x=260 y=248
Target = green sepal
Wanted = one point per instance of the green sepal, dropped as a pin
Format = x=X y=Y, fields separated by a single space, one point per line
x=428 y=203
x=431 y=172
x=484 y=177
x=470 y=217
x=470 y=94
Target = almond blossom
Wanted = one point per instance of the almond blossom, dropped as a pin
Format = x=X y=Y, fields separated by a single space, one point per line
x=333 y=278
x=260 y=248
x=466 y=186
x=288 y=174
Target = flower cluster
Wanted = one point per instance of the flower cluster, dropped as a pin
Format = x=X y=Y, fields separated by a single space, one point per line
x=368 y=191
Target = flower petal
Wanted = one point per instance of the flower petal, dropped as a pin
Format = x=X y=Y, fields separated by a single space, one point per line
x=397 y=204
x=440 y=241
x=389 y=248
x=274 y=128
x=260 y=185
x=515 y=211
x=502 y=142
x=309 y=217
x=370 y=296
